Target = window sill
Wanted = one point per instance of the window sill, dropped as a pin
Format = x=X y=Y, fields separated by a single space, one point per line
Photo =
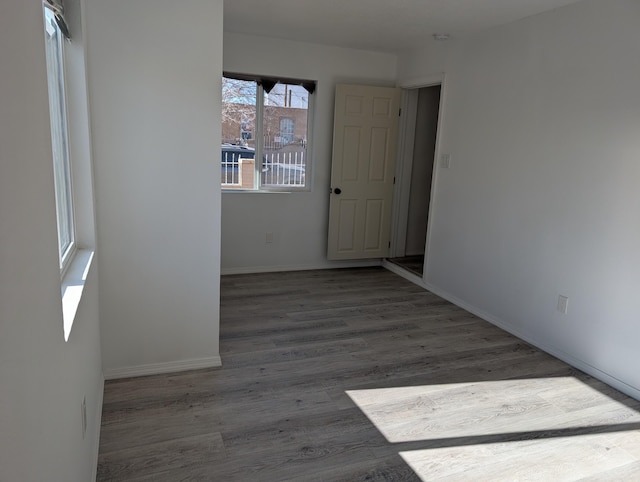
x=256 y=191
x=266 y=191
x=72 y=286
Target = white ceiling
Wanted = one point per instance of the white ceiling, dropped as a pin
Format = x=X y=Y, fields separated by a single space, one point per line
x=387 y=25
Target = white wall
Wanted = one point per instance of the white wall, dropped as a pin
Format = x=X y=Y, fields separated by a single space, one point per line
x=42 y=377
x=541 y=119
x=155 y=70
x=298 y=221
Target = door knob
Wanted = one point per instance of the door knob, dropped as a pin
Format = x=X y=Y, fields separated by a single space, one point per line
x=337 y=190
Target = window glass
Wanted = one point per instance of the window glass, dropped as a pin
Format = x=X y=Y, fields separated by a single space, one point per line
x=285 y=135
x=264 y=135
x=59 y=137
x=238 y=133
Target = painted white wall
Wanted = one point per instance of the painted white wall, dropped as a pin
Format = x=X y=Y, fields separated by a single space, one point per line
x=42 y=377
x=541 y=119
x=298 y=221
x=155 y=70
x=421 y=65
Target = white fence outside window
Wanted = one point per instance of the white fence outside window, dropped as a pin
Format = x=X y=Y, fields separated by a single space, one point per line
x=284 y=169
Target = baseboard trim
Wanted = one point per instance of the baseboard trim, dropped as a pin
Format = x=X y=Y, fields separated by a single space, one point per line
x=164 y=367
x=544 y=346
x=304 y=267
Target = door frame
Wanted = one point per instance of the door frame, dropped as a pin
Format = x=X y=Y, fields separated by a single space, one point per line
x=404 y=164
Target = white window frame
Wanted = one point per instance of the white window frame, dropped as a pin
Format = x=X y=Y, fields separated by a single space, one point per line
x=65 y=216
x=259 y=148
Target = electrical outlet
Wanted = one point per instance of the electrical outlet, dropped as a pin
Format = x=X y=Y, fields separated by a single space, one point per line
x=445 y=161
x=83 y=408
x=268 y=238
x=563 y=304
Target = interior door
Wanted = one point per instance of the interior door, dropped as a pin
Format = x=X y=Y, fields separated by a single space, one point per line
x=365 y=131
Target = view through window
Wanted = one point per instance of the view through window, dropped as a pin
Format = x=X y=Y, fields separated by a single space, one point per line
x=265 y=133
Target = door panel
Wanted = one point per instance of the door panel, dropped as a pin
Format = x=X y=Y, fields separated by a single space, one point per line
x=346 y=232
x=364 y=151
x=350 y=153
x=379 y=155
x=373 y=225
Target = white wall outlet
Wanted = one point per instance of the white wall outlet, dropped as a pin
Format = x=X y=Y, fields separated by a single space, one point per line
x=445 y=161
x=268 y=238
x=83 y=408
x=563 y=304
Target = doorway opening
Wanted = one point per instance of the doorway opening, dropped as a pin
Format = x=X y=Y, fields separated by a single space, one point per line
x=415 y=178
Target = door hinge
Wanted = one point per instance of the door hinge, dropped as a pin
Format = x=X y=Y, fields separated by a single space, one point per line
x=399 y=111
x=389 y=243
x=394 y=179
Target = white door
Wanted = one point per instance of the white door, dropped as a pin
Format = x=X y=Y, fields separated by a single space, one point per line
x=365 y=131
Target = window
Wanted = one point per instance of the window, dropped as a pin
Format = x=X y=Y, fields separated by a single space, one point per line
x=59 y=138
x=287 y=130
x=265 y=132
x=75 y=233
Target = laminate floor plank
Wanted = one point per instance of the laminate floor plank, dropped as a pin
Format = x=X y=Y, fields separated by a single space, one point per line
x=154 y=458
x=288 y=354
x=393 y=309
x=359 y=375
x=156 y=427
x=247 y=344
x=628 y=472
x=272 y=328
x=386 y=469
x=300 y=337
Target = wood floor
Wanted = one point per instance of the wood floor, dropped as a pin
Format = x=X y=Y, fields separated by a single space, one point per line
x=358 y=375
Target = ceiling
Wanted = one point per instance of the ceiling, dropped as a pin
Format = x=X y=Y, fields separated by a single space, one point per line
x=386 y=25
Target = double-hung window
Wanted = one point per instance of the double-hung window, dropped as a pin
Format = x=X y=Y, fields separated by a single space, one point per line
x=54 y=43
x=266 y=131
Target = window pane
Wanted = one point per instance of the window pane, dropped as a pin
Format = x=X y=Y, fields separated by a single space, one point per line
x=62 y=172
x=238 y=133
x=284 y=128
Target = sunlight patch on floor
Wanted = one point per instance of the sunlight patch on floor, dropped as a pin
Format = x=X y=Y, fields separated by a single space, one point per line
x=472 y=431
x=568 y=458
x=406 y=414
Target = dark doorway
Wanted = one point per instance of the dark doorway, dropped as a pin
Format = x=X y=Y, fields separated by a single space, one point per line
x=426 y=126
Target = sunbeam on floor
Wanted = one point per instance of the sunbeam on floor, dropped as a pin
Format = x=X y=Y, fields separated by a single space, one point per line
x=535 y=429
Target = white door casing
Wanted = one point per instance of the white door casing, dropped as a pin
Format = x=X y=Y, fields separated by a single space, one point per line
x=364 y=151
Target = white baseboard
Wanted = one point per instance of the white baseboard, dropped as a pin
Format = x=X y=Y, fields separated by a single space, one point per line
x=365 y=263
x=164 y=367
x=544 y=346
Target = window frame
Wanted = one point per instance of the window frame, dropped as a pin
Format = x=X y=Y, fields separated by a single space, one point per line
x=58 y=116
x=258 y=134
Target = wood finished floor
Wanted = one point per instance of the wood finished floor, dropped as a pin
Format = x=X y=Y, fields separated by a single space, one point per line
x=359 y=375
